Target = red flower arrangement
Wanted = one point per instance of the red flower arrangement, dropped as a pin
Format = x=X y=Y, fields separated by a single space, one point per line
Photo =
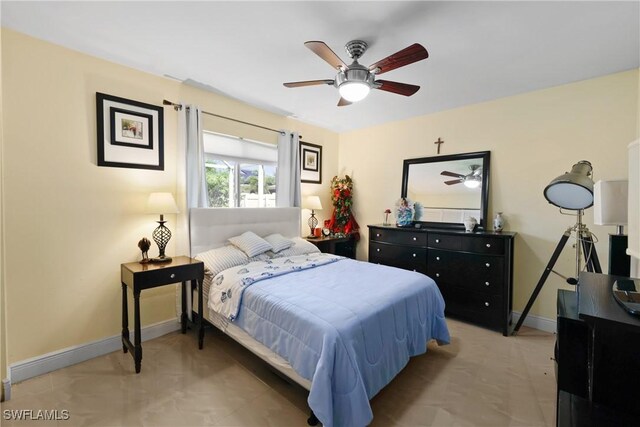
x=342 y=220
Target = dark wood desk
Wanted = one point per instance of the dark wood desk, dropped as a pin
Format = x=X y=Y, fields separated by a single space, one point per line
x=344 y=246
x=151 y=275
x=598 y=354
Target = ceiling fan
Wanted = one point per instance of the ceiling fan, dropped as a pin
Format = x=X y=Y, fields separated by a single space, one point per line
x=471 y=180
x=355 y=81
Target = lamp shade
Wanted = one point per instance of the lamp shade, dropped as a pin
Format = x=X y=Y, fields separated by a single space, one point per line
x=312 y=202
x=573 y=190
x=162 y=203
x=610 y=202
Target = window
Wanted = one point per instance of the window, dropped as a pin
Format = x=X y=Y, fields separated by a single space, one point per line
x=239 y=172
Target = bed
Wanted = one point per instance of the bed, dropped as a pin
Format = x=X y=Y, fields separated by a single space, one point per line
x=340 y=328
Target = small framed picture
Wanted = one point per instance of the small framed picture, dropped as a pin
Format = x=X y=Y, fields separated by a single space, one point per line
x=310 y=163
x=130 y=133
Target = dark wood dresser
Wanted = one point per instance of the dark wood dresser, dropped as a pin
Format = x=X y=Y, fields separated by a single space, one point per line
x=597 y=350
x=474 y=271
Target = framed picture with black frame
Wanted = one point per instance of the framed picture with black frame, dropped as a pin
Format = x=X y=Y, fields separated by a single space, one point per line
x=130 y=133
x=310 y=163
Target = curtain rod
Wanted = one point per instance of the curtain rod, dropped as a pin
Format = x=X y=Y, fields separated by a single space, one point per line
x=178 y=107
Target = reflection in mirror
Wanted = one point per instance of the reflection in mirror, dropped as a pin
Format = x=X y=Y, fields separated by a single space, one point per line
x=450 y=188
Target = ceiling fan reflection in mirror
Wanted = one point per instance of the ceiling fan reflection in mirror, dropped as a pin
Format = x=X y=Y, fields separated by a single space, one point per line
x=471 y=180
x=355 y=81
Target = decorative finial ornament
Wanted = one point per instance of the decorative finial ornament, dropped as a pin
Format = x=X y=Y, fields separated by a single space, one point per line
x=144 y=244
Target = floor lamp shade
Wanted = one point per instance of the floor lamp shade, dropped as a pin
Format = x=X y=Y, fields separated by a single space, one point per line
x=573 y=190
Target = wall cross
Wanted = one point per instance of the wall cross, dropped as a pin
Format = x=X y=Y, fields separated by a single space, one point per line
x=439 y=142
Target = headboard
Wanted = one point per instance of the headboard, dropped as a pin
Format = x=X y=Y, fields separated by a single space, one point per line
x=211 y=227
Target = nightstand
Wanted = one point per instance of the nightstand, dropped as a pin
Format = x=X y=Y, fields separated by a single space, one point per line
x=344 y=246
x=151 y=275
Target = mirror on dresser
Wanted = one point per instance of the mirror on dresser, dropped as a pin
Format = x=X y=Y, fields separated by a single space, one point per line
x=450 y=188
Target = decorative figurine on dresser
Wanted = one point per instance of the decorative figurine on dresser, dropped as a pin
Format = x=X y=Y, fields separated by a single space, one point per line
x=473 y=270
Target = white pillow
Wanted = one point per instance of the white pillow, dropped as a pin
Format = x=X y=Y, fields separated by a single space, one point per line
x=278 y=242
x=250 y=243
x=300 y=247
x=219 y=259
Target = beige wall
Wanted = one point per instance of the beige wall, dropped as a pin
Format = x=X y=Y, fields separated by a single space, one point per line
x=533 y=138
x=69 y=223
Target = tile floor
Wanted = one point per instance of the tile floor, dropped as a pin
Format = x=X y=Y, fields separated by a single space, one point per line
x=480 y=379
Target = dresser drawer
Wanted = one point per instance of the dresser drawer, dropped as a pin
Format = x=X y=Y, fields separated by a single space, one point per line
x=484 y=245
x=478 y=308
x=406 y=257
x=478 y=273
x=444 y=241
x=414 y=238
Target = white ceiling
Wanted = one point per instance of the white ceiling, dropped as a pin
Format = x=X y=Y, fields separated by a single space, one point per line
x=478 y=51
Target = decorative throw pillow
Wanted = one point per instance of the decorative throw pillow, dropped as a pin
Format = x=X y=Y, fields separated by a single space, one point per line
x=250 y=243
x=278 y=242
x=219 y=259
x=300 y=247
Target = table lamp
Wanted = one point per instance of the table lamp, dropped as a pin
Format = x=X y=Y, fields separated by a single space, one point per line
x=161 y=203
x=610 y=208
x=313 y=203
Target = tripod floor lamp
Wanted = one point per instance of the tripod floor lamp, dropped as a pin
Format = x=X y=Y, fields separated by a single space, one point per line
x=571 y=191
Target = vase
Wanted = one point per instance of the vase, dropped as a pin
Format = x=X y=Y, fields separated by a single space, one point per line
x=498 y=222
x=470 y=224
x=404 y=217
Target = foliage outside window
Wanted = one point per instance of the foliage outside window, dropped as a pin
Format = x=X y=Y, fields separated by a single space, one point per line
x=239 y=173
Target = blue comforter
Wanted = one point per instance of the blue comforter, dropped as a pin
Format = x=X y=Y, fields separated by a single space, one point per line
x=349 y=327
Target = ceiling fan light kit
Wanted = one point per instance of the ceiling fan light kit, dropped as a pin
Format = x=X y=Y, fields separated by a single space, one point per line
x=355 y=81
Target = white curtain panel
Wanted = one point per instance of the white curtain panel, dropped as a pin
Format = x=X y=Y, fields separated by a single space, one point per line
x=288 y=175
x=192 y=187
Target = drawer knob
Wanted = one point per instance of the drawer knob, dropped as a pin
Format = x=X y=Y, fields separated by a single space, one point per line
x=486 y=304
x=437 y=274
x=377 y=234
x=488 y=245
x=437 y=258
x=414 y=269
x=414 y=239
x=437 y=240
x=486 y=283
x=488 y=265
x=173 y=275
x=414 y=255
x=378 y=250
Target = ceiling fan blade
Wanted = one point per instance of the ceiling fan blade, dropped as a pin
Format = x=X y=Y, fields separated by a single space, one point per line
x=309 y=83
x=414 y=53
x=343 y=102
x=454 y=181
x=455 y=175
x=399 y=88
x=325 y=52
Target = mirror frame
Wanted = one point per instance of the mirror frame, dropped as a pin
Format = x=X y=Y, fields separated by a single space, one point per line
x=484 y=188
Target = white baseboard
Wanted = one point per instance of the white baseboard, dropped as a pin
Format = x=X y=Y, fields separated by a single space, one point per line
x=39 y=365
x=536 y=322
